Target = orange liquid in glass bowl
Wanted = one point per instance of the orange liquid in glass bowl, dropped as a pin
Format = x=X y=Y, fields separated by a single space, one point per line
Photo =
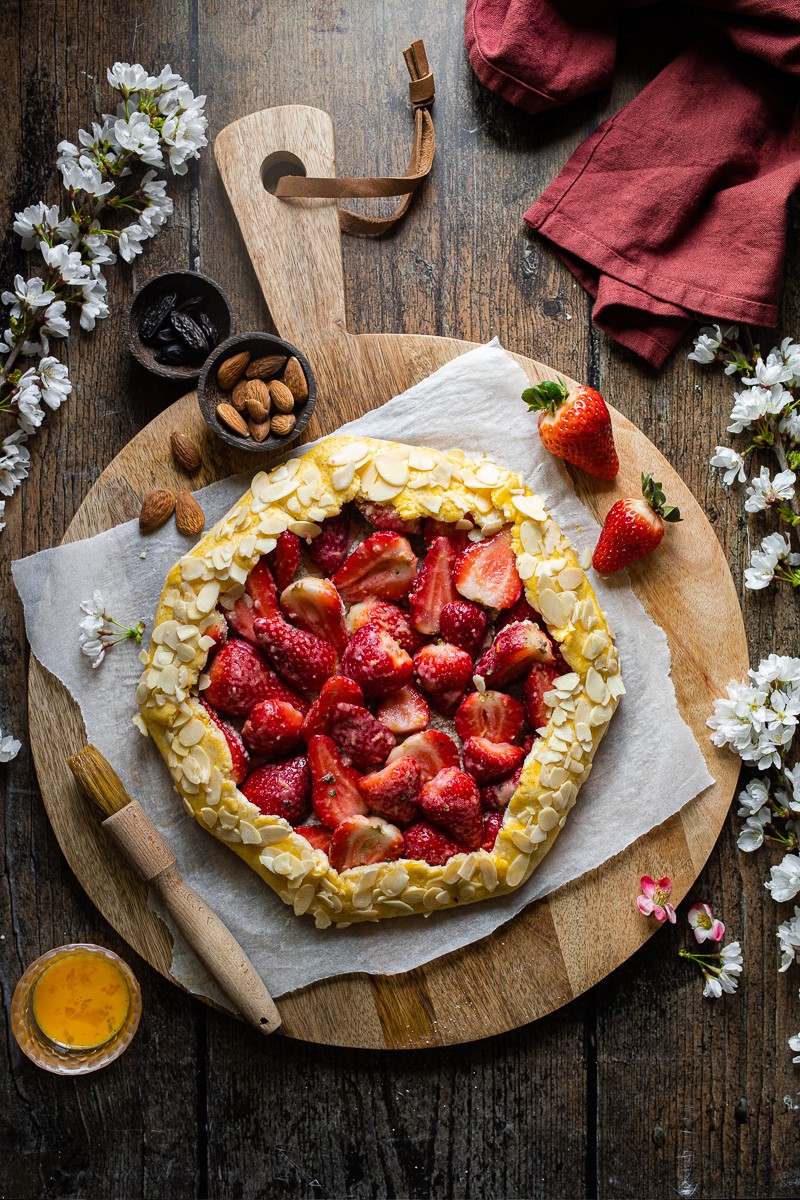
x=80 y=1001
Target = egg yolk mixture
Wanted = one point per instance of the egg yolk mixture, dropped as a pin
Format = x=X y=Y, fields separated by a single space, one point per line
x=81 y=1001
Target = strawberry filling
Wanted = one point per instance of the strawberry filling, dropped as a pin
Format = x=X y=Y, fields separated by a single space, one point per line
x=332 y=674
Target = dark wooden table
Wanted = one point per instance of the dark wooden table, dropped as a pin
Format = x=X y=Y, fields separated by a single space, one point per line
x=639 y=1089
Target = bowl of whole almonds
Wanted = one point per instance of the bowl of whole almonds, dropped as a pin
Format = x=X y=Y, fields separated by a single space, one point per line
x=257 y=392
x=174 y=322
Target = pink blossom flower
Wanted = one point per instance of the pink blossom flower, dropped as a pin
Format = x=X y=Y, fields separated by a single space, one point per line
x=655 y=894
x=705 y=925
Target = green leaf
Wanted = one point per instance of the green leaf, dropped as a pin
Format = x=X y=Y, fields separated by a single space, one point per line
x=546 y=395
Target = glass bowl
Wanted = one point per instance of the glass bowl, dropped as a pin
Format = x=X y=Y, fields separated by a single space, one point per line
x=54 y=1056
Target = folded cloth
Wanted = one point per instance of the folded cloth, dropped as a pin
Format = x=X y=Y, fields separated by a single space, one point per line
x=675 y=208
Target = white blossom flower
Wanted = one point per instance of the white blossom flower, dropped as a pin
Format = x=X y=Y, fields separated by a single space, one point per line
x=55 y=324
x=763 y=492
x=53 y=382
x=709 y=341
x=790 y=353
x=768 y=373
x=2 y=515
x=9 y=747
x=96 y=245
x=29 y=408
x=756 y=403
x=788 y=935
x=794 y=1044
x=777 y=668
x=775 y=548
x=751 y=836
x=754 y=797
x=138 y=136
x=758 y=719
x=68 y=262
x=730 y=463
x=82 y=175
x=28 y=293
x=789 y=424
x=784 y=880
x=725 y=977
x=130 y=241
x=39 y=220
x=792 y=777
x=14 y=460
x=93 y=301
x=131 y=77
x=184 y=130
x=92 y=627
x=167 y=79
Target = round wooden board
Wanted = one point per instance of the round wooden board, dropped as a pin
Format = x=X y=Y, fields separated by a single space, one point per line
x=543 y=958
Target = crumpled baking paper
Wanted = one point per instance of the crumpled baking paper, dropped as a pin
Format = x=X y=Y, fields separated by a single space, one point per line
x=472 y=402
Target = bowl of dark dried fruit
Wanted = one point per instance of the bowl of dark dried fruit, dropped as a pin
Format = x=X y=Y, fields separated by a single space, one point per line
x=174 y=322
x=257 y=392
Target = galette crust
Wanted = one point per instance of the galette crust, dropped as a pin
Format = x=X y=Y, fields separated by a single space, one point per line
x=418 y=482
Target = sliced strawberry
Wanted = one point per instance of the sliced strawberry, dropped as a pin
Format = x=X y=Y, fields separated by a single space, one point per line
x=241 y=618
x=492 y=824
x=387 y=616
x=513 y=651
x=317 y=835
x=487 y=761
x=393 y=792
x=376 y=662
x=337 y=689
x=540 y=680
x=361 y=840
x=433 y=529
x=240 y=677
x=362 y=739
x=486 y=571
x=452 y=801
x=443 y=672
x=496 y=796
x=434 y=586
x=240 y=759
x=285 y=559
x=422 y=841
x=334 y=793
x=432 y=749
x=383 y=516
x=302 y=659
x=464 y=625
x=521 y=611
x=281 y=789
x=260 y=600
x=215 y=626
x=382 y=567
x=272 y=729
x=328 y=549
x=492 y=715
x=316 y=606
x=405 y=711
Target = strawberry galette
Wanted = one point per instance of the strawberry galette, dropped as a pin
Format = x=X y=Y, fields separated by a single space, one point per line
x=381 y=679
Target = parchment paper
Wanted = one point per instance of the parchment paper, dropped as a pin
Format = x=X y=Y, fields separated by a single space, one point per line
x=646 y=769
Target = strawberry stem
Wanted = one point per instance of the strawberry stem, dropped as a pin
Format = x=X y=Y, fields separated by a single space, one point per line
x=547 y=395
x=654 y=495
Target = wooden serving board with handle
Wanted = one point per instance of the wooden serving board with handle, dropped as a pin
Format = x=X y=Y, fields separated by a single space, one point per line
x=543 y=958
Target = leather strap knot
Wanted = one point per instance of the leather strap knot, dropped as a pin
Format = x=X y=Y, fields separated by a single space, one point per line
x=422 y=93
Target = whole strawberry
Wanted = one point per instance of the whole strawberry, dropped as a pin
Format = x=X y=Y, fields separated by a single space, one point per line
x=633 y=528
x=575 y=426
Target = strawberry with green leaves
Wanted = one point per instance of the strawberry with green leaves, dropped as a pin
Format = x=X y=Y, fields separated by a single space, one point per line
x=575 y=426
x=633 y=528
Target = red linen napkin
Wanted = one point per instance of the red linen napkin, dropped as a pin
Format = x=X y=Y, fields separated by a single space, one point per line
x=675 y=208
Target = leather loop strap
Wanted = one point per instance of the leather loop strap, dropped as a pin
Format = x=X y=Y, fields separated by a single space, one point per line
x=422 y=93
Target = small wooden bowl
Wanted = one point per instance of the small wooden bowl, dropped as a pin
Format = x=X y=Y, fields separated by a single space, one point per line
x=210 y=394
x=185 y=283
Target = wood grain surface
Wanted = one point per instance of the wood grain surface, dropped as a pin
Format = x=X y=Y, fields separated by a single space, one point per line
x=639 y=1088
x=536 y=963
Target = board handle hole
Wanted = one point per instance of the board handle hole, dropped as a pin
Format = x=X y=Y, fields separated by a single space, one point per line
x=278 y=164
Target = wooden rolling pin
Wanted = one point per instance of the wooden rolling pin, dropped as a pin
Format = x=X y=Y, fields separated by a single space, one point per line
x=143 y=845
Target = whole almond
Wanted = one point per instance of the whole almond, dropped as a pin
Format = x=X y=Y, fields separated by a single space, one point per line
x=185 y=452
x=295 y=380
x=260 y=430
x=282 y=398
x=250 y=390
x=231 y=370
x=266 y=367
x=189 y=516
x=256 y=410
x=230 y=417
x=282 y=424
x=157 y=507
